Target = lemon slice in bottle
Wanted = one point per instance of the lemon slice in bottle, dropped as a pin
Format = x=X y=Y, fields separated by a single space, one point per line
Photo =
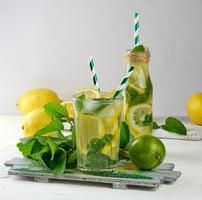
x=138 y=80
x=139 y=118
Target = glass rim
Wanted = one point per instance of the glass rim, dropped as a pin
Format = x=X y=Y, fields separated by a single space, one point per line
x=119 y=97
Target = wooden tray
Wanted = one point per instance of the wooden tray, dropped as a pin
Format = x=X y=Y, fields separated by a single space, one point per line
x=125 y=176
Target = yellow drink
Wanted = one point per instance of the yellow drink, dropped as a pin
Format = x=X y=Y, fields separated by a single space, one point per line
x=97 y=123
x=138 y=94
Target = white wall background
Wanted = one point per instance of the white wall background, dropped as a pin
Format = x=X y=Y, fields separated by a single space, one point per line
x=46 y=43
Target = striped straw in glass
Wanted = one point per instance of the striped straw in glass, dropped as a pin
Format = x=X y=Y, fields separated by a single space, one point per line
x=94 y=75
x=136 y=29
x=123 y=83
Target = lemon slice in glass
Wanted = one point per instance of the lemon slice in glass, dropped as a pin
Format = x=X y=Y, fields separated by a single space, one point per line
x=88 y=127
x=108 y=94
x=139 y=118
x=89 y=93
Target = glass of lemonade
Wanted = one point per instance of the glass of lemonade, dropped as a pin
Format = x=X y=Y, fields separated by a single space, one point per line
x=97 y=125
x=138 y=94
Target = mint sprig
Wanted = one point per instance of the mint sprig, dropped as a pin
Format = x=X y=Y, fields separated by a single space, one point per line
x=138 y=49
x=56 y=154
x=94 y=152
x=172 y=125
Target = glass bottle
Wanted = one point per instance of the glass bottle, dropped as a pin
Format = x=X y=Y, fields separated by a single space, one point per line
x=138 y=94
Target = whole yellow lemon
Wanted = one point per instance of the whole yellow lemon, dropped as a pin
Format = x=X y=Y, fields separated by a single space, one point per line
x=34 y=121
x=36 y=98
x=194 y=108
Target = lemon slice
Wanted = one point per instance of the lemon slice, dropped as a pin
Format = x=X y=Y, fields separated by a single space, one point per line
x=111 y=149
x=108 y=94
x=69 y=107
x=88 y=127
x=139 y=90
x=88 y=93
x=138 y=80
x=139 y=119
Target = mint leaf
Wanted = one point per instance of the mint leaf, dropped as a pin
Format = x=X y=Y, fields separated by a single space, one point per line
x=155 y=125
x=96 y=159
x=147 y=120
x=55 y=125
x=79 y=102
x=124 y=134
x=60 y=135
x=72 y=160
x=26 y=148
x=96 y=144
x=57 y=164
x=138 y=49
x=56 y=111
x=132 y=96
x=175 y=126
x=53 y=147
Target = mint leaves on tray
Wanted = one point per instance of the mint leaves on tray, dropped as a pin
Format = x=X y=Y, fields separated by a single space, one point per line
x=172 y=125
x=54 y=153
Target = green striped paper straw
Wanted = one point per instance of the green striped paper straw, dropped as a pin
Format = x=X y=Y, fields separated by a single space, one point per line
x=136 y=29
x=123 y=83
x=94 y=75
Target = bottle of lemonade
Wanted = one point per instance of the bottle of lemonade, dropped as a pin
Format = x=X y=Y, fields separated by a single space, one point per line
x=138 y=94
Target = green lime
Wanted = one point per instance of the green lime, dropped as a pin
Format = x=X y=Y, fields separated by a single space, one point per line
x=147 y=152
x=124 y=134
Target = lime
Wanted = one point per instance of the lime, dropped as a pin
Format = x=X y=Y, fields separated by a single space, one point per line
x=88 y=127
x=89 y=93
x=124 y=134
x=147 y=152
x=139 y=118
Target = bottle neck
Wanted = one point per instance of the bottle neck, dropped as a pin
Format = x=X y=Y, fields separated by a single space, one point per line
x=141 y=57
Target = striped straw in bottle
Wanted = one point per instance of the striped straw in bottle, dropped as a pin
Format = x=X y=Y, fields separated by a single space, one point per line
x=136 y=29
x=123 y=83
x=94 y=75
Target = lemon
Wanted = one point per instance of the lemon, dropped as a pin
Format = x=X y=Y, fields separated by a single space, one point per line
x=69 y=107
x=194 y=108
x=88 y=93
x=88 y=127
x=34 y=121
x=136 y=119
x=36 y=98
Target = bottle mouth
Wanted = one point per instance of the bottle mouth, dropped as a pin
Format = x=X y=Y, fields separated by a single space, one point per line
x=132 y=57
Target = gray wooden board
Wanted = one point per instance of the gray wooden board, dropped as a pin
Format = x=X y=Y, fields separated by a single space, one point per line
x=32 y=169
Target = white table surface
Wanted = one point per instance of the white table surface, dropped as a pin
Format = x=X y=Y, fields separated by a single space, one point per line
x=186 y=155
